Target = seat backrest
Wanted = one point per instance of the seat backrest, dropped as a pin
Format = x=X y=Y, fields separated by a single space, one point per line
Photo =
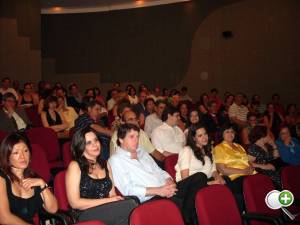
x=47 y=139
x=67 y=154
x=91 y=222
x=170 y=163
x=34 y=117
x=217 y=200
x=60 y=190
x=290 y=180
x=256 y=188
x=39 y=163
x=158 y=212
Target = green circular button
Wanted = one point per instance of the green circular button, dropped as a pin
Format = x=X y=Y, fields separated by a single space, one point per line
x=286 y=198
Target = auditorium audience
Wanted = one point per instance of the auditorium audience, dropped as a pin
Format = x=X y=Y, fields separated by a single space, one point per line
x=11 y=117
x=202 y=105
x=238 y=112
x=29 y=98
x=68 y=112
x=292 y=118
x=272 y=120
x=196 y=157
x=277 y=105
x=184 y=112
x=6 y=87
x=144 y=179
x=214 y=96
x=288 y=146
x=149 y=106
x=23 y=193
x=263 y=154
x=129 y=117
x=154 y=120
x=184 y=96
x=211 y=120
x=132 y=95
x=89 y=184
x=168 y=138
x=51 y=118
x=74 y=98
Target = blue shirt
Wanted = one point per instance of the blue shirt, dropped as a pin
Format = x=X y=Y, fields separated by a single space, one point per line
x=133 y=176
x=291 y=153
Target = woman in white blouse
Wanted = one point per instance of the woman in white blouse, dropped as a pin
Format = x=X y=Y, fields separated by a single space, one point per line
x=196 y=157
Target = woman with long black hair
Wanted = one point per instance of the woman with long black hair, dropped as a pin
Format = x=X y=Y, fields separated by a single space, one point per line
x=90 y=189
x=196 y=157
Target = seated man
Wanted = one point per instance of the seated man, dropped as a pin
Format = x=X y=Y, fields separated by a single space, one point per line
x=136 y=173
x=169 y=138
x=92 y=118
x=11 y=118
x=144 y=142
x=154 y=120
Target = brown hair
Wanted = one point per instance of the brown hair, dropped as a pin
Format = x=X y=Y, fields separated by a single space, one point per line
x=6 y=148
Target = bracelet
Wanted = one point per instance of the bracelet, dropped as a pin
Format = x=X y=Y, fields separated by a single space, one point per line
x=45 y=187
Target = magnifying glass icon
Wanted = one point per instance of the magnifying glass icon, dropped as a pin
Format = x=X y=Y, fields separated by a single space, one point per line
x=276 y=200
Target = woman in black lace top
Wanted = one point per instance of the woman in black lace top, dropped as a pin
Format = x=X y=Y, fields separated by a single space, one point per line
x=22 y=193
x=90 y=190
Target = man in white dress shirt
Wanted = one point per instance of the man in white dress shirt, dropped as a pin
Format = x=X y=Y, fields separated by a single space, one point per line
x=136 y=173
x=169 y=138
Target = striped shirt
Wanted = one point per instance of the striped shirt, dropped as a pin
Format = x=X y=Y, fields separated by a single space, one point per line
x=239 y=112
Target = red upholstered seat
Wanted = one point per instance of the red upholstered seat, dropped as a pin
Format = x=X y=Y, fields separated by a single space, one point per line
x=60 y=191
x=290 y=178
x=157 y=212
x=67 y=154
x=216 y=205
x=47 y=139
x=34 y=117
x=39 y=163
x=170 y=163
x=255 y=189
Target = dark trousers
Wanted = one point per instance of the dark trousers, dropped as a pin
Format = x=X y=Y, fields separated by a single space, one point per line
x=185 y=196
x=114 y=213
x=236 y=187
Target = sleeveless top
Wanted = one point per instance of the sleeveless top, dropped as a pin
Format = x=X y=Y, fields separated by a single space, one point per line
x=51 y=121
x=23 y=102
x=24 y=208
x=93 y=188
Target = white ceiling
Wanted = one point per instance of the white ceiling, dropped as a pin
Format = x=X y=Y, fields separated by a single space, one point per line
x=84 y=6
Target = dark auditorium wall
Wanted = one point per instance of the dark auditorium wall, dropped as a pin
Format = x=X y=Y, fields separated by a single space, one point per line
x=20 y=39
x=263 y=55
x=181 y=44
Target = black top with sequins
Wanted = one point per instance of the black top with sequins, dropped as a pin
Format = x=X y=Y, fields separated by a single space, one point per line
x=92 y=188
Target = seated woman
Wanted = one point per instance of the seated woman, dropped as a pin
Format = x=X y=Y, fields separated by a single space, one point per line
x=289 y=147
x=90 y=190
x=184 y=112
x=29 y=98
x=68 y=112
x=232 y=161
x=262 y=154
x=193 y=119
x=272 y=120
x=197 y=157
x=51 y=118
x=251 y=123
x=23 y=194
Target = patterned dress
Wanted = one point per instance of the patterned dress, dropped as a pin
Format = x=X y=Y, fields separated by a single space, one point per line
x=265 y=157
